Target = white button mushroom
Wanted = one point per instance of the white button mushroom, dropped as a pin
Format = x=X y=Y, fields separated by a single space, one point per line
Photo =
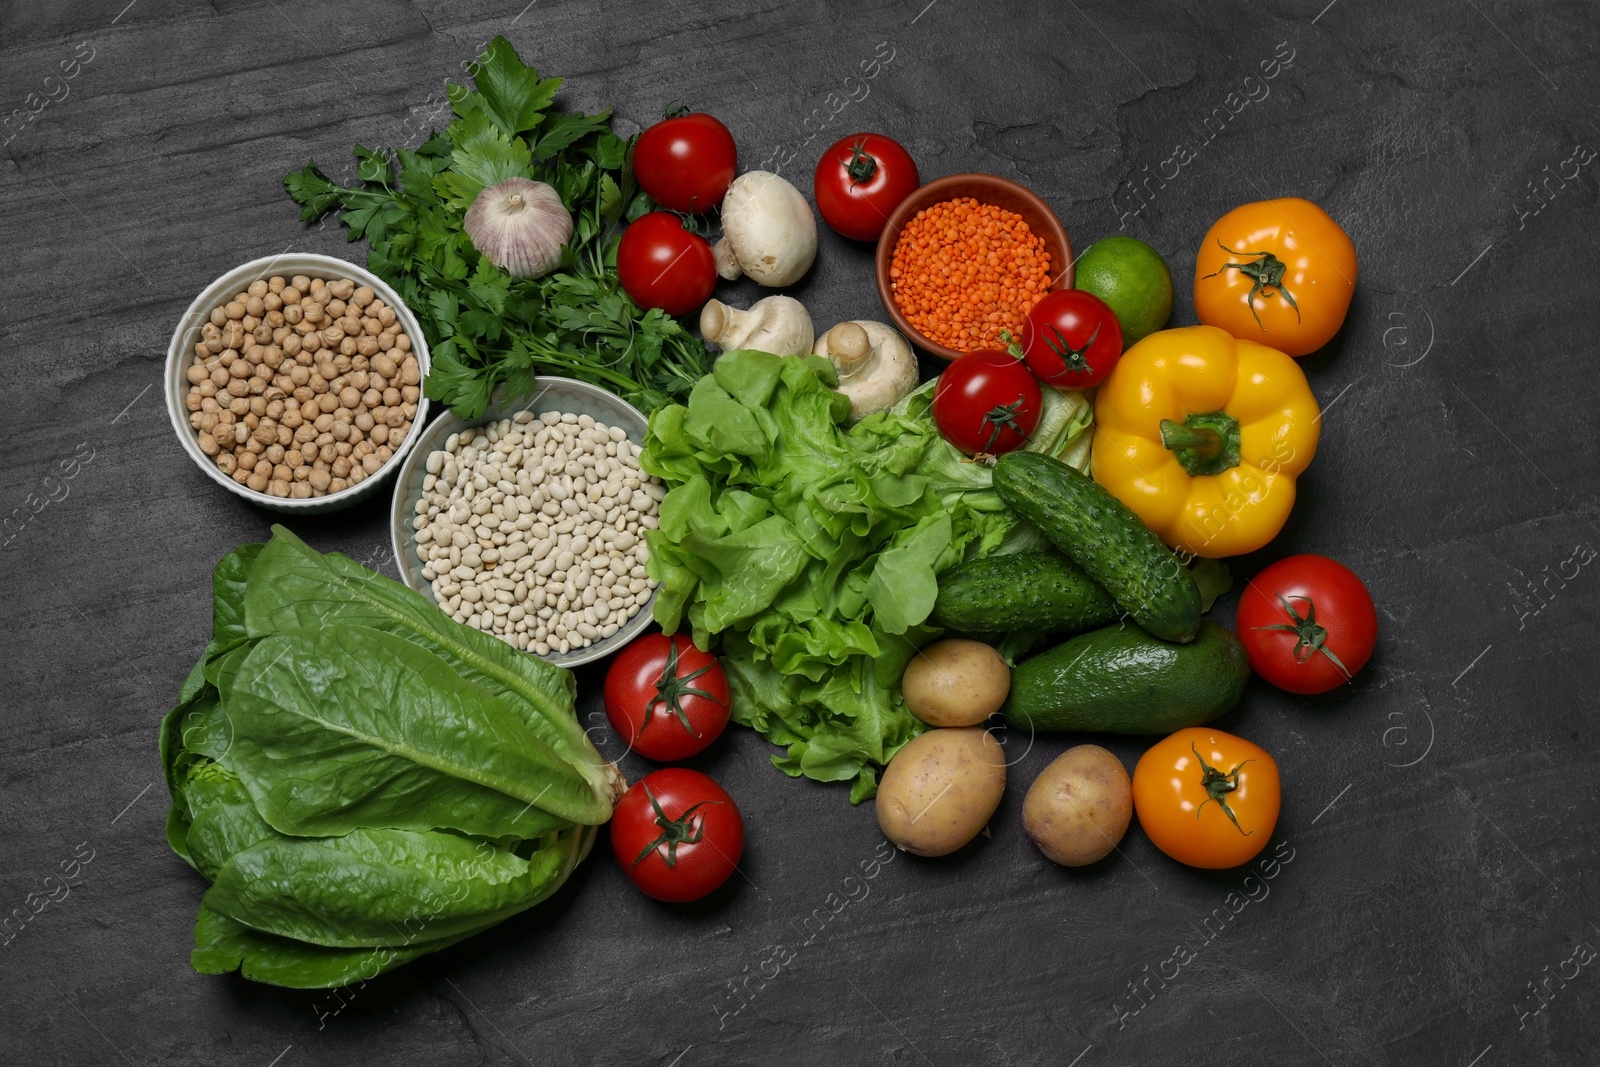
x=875 y=363
x=768 y=231
x=777 y=324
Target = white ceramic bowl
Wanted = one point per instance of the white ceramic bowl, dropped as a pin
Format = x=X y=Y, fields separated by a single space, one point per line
x=218 y=292
x=552 y=394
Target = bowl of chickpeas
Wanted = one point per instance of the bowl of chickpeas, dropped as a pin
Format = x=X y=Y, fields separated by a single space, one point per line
x=295 y=381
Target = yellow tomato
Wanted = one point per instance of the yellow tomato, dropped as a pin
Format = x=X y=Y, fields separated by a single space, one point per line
x=1280 y=272
x=1207 y=798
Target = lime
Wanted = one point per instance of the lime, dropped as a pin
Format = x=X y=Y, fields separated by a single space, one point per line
x=1133 y=279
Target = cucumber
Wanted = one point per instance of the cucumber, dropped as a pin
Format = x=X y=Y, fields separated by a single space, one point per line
x=1121 y=680
x=1106 y=539
x=1040 y=591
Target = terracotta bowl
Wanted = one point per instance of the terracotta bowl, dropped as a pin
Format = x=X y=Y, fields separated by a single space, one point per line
x=986 y=189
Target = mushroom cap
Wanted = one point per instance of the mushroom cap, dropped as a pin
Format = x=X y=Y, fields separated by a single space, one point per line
x=881 y=379
x=767 y=229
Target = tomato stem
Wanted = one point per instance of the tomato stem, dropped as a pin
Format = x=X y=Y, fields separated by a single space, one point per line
x=1310 y=637
x=670 y=690
x=860 y=166
x=674 y=832
x=1072 y=357
x=1217 y=786
x=1266 y=272
x=1001 y=416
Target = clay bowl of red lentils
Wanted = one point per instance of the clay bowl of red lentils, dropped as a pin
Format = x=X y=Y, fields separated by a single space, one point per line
x=295 y=381
x=965 y=258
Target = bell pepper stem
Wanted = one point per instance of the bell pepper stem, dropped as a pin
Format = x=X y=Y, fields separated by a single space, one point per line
x=1200 y=440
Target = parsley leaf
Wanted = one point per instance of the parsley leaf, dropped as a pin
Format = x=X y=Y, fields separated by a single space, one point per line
x=490 y=333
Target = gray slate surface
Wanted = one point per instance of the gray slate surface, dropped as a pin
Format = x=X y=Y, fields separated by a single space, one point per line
x=1439 y=825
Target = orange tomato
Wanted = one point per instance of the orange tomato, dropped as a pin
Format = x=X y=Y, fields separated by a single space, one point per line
x=1211 y=807
x=1279 y=272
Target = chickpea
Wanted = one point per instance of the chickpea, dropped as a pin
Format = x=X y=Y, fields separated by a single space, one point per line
x=403 y=343
x=385 y=342
x=379 y=435
x=312 y=342
x=208 y=444
x=335 y=306
x=233 y=309
x=341 y=430
x=409 y=394
x=273 y=357
x=340 y=467
x=362 y=296
x=218 y=316
x=276 y=283
x=327 y=454
x=387 y=316
x=207 y=388
x=327 y=369
x=364 y=421
x=385 y=453
x=342 y=362
x=319 y=480
x=301 y=491
x=273 y=454
x=338 y=485
x=196 y=375
x=226 y=463
x=395 y=417
x=257 y=288
x=254 y=305
x=291 y=345
x=258 y=480
x=309 y=451
x=272 y=302
x=320 y=293
x=247 y=461
x=258 y=406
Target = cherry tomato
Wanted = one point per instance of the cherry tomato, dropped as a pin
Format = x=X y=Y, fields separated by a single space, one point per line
x=1307 y=623
x=1207 y=798
x=686 y=162
x=860 y=181
x=677 y=835
x=1071 y=339
x=986 y=403
x=662 y=265
x=666 y=698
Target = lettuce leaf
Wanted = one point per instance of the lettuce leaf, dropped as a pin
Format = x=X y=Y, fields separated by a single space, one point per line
x=811 y=550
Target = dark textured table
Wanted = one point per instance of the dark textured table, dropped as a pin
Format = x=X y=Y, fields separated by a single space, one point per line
x=1438 y=842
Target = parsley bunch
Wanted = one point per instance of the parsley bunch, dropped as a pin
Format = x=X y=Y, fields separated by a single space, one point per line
x=486 y=330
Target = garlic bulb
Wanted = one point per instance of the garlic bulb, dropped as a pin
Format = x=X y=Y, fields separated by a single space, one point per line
x=520 y=226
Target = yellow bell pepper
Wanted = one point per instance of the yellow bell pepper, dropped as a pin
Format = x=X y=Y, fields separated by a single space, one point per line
x=1203 y=436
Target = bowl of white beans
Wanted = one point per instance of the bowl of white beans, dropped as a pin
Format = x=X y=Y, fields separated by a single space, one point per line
x=528 y=523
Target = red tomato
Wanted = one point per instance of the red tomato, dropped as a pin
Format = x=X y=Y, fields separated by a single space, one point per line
x=677 y=834
x=666 y=698
x=1307 y=624
x=662 y=265
x=860 y=181
x=986 y=402
x=686 y=162
x=1071 y=339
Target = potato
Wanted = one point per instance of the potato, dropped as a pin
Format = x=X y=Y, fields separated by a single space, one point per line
x=956 y=683
x=941 y=789
x=1078 y=808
